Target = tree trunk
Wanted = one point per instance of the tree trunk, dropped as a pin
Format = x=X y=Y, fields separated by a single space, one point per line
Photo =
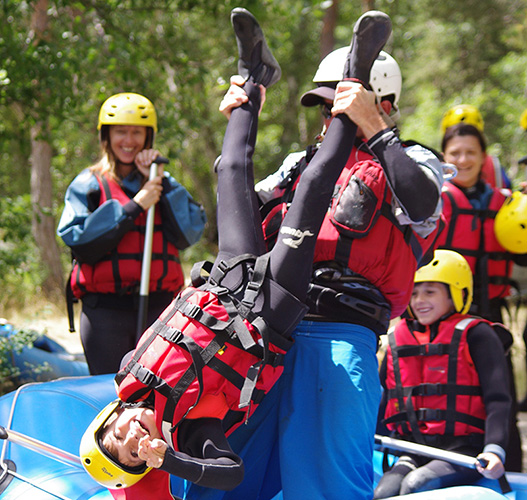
x=368 y=5
x=327 y=36
x=43 y=222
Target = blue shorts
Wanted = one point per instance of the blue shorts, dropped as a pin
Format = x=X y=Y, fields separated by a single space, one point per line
x=312 y=435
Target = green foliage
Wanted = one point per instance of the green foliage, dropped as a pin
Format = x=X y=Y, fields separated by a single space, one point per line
x=19 y=266
x=181 y=53
x=12 y=344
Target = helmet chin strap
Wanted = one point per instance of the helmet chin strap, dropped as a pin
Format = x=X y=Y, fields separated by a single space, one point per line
x=389 y=120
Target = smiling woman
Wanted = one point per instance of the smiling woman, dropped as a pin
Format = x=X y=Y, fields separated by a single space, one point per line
x=470 y=206
x=127 y=141
x=104 y=223
x=465 y=147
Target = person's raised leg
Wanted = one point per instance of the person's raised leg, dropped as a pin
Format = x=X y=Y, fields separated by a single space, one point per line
x=239 y=222
x=292 y=255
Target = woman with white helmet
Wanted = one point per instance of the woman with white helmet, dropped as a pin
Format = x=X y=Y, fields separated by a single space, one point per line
x=103 y=222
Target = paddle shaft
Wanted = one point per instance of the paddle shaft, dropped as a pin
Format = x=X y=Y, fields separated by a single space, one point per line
x=427 y=451
x=147 y=256
x=39 y=446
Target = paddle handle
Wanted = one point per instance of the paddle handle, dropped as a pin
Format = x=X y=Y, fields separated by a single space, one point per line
x=147 y=256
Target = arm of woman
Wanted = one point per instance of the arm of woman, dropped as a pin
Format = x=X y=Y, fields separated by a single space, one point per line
x=184 y=218
x=91 y=230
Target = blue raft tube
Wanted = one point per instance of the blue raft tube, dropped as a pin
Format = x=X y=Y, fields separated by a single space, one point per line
x=42 y=425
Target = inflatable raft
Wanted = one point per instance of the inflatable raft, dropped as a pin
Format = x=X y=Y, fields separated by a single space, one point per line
x=44 y=360
x=44 y=423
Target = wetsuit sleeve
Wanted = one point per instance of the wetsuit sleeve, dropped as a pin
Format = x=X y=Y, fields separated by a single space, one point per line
x=519 y=259
x=489 y=360
x=415 y=174
x=381 y=428
x=205 y=457
x=183 y=218
x=91 y=230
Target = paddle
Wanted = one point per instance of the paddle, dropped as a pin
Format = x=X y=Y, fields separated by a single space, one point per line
x=438 y=453
x=426 y=451
x=8 y=468
x=147 y=256
x=39 y=446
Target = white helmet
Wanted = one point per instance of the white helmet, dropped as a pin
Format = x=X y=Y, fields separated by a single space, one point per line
x=385 y=77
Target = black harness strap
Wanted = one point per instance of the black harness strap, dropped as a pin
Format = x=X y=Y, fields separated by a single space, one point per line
x=432 y=414
x=157 y=327
x=436 y=390
x=397 y=376
x=113 y=256
x=233 y=331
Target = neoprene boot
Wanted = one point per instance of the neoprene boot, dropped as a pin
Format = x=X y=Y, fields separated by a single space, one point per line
x=370 y=33
x=255 y=59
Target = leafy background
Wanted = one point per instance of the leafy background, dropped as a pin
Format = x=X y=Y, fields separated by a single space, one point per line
x=60 y=59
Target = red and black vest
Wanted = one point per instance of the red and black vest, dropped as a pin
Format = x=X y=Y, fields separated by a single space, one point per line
x=470 y=232
x=119 y=272
x=209 y=342
x=361 y=234
x=491 y=172
x=433 y=387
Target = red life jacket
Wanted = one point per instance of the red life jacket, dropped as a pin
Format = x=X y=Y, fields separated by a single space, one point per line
x=441 y=379
x=491 y=172
x=470 y=232
x=208 y=342
x=361 y=233
x=156 y=484
x=120 y=270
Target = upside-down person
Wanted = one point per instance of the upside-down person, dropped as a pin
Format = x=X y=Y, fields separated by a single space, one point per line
x=203 y=366
x=313 y=434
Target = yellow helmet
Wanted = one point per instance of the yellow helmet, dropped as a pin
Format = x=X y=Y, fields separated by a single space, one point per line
x=523 y=120
x=127 y=109
x=465 y=113
x=510 y=224
x=452 y=269
x=98 y=462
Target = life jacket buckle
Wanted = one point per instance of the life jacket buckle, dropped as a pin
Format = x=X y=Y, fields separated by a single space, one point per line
x=251 y=292
x=191 y=310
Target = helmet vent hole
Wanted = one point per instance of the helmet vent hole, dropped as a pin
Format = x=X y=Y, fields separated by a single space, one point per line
x=87 y=461
x=118 y=485
x=522 y=226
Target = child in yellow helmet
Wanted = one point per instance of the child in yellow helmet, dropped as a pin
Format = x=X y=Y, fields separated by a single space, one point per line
x=445 y=382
